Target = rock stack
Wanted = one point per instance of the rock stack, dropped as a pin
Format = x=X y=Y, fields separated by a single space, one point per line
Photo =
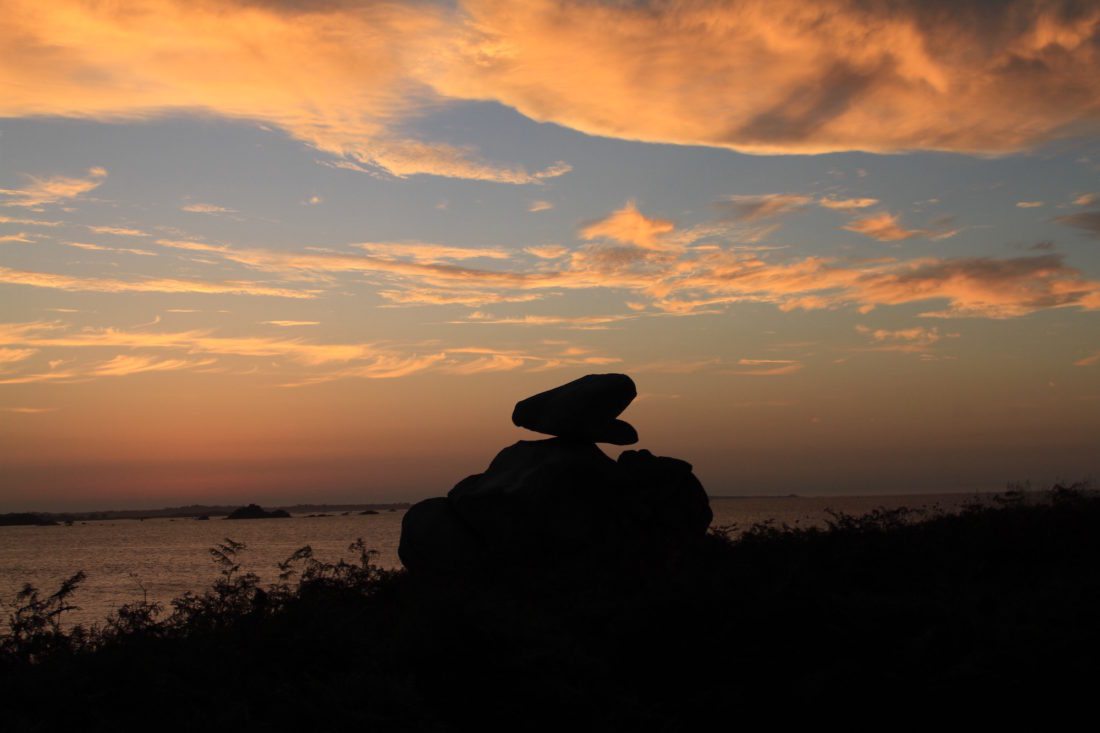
x=545 y=501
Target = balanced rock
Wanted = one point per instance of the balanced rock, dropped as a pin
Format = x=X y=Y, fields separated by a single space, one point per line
x=545 y=505
x=584 y=409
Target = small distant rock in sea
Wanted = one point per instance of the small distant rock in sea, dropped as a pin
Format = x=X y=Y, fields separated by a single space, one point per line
x=255 y=511
x=545 y=502
x=365 y=512
x=203 y=517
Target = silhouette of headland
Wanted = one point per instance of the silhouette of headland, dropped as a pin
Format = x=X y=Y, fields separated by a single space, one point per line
x=255 y=511
x=545 y=503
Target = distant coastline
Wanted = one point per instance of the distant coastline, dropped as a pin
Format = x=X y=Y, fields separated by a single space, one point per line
x=193 y=511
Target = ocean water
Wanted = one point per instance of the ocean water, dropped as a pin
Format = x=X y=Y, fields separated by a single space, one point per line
x=164 y=558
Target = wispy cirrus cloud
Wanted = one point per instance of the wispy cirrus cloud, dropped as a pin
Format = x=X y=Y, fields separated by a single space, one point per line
x=51 y=190
x=672 y=273
x=917 y=339
x=766 y=367
x=28 y=222
x=201 y=208
x=88 y=246
x=18 y=238
x=585 y=323
x=119 y=231
x=886 y=227
x=851 y=204
x=303 y=362
x=126 y=364
x=430 y=253
x=75 y=283
x=10 y=356
x=1087 y=221
x=762 y=206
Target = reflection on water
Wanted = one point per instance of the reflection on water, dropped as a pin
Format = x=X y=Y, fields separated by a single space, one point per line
x=170 y=556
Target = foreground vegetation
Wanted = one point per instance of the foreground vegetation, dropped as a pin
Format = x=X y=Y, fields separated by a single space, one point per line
x=990 y=607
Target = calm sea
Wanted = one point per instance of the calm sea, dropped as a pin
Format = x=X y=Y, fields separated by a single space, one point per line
x=168 y=557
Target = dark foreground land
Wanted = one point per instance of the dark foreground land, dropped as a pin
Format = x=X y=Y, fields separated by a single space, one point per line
x=994 y=608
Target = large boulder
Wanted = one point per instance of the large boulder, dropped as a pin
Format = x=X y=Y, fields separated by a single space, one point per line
x=661 y=498
x=434 y=541
x=539 y=497
x=584 y=409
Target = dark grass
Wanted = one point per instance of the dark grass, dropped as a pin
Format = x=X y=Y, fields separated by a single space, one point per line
x=997 y=607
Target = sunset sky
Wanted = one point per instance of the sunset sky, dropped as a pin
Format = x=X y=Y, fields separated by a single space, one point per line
x=280 y=251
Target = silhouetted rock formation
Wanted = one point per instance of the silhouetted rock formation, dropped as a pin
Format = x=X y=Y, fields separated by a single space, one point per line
x=584 y=409
x=255 y=511
x=547 y=502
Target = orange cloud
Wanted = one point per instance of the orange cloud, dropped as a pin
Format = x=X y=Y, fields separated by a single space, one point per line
x=307 y=362
x=206 y=209
x=575 y=322
x=847 y=204
x=430 y=253
x=100 y=248
x=123 y=365
x=338 y=76
x=767 y=76
x=29 y=222
x=629 y=226
x=10 y=356
x=911 y=340
x=150 y=285
x=783 y=76
x=884 y=227
x=119 y=231
x=42 y=191
x=767 y=367
x=20 y=238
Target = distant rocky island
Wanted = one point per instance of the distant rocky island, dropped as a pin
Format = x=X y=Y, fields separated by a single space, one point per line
x=255 y=511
